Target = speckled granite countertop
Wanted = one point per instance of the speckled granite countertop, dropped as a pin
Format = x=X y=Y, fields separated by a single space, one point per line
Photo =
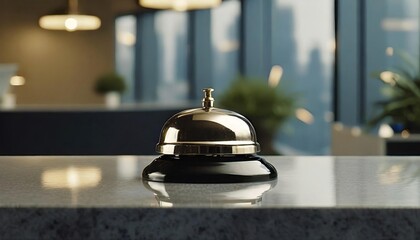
x=313 y=198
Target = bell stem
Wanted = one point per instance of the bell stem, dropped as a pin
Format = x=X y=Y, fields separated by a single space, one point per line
x=208 y=100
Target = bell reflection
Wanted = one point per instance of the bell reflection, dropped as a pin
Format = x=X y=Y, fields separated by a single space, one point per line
x=233 y=195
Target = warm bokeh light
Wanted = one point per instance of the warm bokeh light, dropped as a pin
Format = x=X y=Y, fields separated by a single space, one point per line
x=228 y=46
x=17 y=80
x=73 y=22
x=405 y=134
x=333 y=45
x=389 y=51
x=388 y=77
x=72 y=177
x=391 y=175
x=126 y=38
x=179 y=5
x=275 y=76
x=400 y=24
x=70 y=24
x=385 y=131
x=304 y=116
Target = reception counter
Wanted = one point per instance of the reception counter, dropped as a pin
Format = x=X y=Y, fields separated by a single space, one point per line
x=96 y=197
x=57 y=131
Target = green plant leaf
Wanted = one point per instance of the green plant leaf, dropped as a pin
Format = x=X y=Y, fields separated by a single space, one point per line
x=111 y=82
x=409 y=61
x=404 y=82
x=265 y=106
x=403 y=97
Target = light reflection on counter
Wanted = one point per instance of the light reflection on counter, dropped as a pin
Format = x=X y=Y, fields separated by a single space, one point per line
x=71 y=177
x=127 y=167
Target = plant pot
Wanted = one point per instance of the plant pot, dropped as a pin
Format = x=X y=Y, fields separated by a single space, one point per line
x=266 y=140
x=112 y=99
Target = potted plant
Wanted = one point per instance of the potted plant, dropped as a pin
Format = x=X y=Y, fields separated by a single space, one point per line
x=402 y=90
x=266 y=107
x=111 y=85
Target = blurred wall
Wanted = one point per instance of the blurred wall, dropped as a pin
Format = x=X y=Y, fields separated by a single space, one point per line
x=60 y=67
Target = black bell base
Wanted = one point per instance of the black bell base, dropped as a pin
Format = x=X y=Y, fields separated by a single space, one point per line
x=209 y=169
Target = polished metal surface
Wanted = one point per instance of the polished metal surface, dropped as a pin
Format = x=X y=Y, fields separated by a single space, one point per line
x=207 y=130
x=208 y=100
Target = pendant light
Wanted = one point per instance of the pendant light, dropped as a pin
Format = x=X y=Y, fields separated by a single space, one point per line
x=71 y=20
x=179 y=5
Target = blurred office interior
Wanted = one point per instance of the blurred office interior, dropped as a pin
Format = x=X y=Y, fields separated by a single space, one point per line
x=324 y=53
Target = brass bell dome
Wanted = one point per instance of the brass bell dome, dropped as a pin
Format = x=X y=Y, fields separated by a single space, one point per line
x=207 y=131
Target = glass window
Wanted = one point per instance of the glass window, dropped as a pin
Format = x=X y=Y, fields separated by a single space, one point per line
x=125 y=33
x=178 y=53
x=172 y=56
x=391 y=28
x=225 y=36
x=371 y=34
x=302 y=43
